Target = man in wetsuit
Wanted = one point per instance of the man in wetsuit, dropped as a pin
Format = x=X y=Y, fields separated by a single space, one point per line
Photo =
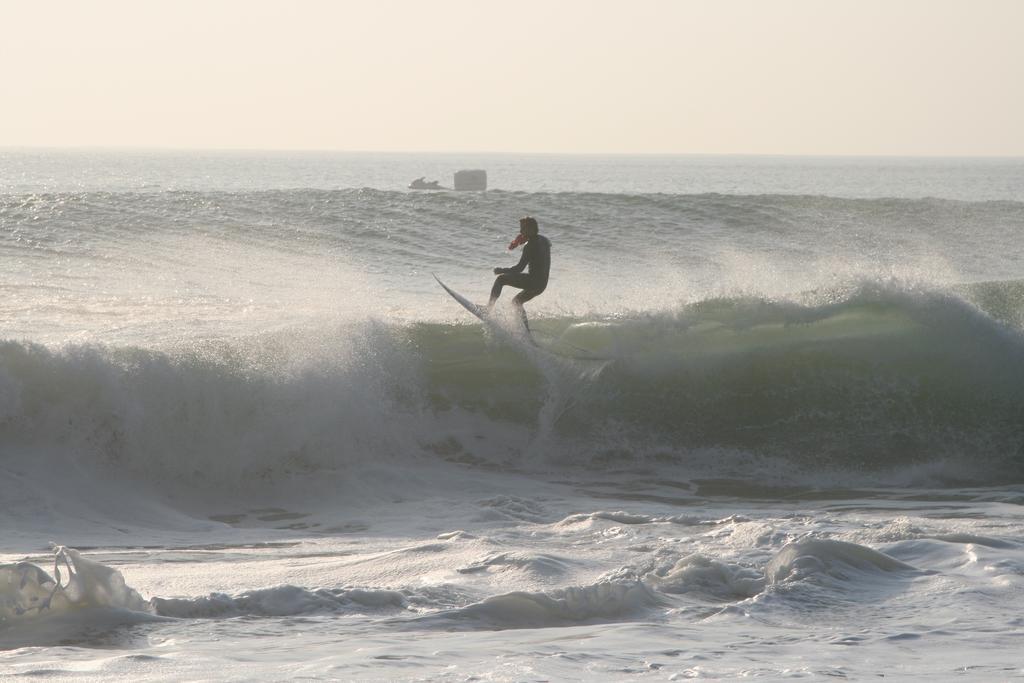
x=536 y=261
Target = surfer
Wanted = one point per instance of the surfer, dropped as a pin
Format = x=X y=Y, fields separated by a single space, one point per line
x=536 y=260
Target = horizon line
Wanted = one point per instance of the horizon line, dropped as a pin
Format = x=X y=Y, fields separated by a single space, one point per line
x=312 y=150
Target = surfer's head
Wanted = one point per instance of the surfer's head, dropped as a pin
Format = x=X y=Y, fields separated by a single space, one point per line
x=528 y=226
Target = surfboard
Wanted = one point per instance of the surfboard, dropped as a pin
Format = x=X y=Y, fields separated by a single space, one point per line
x=482 y=313
x=478 y=311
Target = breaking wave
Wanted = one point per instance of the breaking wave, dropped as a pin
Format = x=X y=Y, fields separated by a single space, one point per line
x=877 y=376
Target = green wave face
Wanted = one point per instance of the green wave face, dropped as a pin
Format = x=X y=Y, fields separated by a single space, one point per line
x=868 y=379
x=880 y=376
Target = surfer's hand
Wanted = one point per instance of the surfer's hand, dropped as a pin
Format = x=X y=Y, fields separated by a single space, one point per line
x=499 y=271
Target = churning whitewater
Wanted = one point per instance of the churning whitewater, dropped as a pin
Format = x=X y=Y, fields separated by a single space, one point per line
x=773 y=425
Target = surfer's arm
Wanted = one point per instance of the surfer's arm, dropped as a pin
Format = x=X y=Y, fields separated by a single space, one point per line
x=523 y=262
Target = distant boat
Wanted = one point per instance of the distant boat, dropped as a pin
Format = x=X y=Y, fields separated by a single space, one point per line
x=471 y=179
x=422 y=184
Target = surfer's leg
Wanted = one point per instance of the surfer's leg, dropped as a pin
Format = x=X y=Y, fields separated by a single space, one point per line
x=520 y=299
x=522 y=313
x=510 y=279
x=499 y=282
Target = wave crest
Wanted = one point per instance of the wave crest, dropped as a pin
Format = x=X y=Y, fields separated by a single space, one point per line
x=883 y=376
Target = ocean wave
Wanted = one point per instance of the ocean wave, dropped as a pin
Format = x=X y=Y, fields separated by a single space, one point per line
x=300 y=195
x=82 y=601
x=840 y=561
x=98 y=593
x=602 y=602
x=394 y=226
x=811 y=576
x=879 y=376
x=280 y=601
x=215 y=412
x=705 y=576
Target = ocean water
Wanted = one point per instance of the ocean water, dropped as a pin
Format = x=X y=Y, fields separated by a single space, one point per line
x=773 y=426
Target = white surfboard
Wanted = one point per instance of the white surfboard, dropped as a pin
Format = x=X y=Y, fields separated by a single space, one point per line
x=466 y=303
x=482 y=313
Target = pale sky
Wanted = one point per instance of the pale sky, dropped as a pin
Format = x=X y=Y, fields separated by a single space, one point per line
x=866 y=77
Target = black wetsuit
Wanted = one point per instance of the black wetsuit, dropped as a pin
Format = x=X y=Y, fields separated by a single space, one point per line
x=537 y=262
